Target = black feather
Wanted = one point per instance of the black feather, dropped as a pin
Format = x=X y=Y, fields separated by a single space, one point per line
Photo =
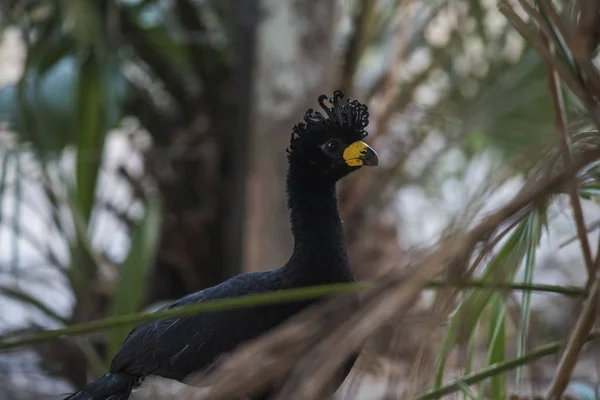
x=176 y=347
x=345 y=114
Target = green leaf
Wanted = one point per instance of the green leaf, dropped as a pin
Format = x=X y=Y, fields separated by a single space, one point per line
x=590 y=190
x=542 y=351
x=231 y=303
x=504 y=265
x=134 y=271
x=535 y=226
x=497 y=338
x=462 y=325
x=471 y=348
x=94 y=93
x=16 y=212
x=91 y=131
x=467 y=392
x=6 y=157
x=253 y=300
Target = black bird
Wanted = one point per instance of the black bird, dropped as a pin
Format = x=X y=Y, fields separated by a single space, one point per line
x=323 y=149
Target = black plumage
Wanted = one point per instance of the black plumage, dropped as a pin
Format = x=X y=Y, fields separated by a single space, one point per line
x=323 y=149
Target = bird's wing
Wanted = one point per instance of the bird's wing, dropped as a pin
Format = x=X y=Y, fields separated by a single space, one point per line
x=175 y=347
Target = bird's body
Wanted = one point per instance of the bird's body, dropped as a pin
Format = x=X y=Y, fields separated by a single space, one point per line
x=174 y=348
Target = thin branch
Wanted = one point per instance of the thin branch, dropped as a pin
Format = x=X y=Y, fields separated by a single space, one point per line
x=587 y=25
x=25 y=298
x=543 y=50
x=564 y=142
x=575 y=83
x=287 y=295
x=579 y=336
x=42 y=248
x=357 y=44
x=499 y=368
x=591 y=227
x=537 y=17
x=570 y=291
x=578 y=52
x=384 y=102
x=561 y=33
x=586 y=319
x=213 y=306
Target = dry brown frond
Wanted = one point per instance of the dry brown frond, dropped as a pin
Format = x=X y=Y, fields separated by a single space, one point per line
x=575 y=34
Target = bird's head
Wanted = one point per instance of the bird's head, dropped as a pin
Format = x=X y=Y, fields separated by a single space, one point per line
x=330 y=147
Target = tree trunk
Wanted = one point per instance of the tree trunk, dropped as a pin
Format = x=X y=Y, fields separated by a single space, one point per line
x=294 y=59
x=204 y=192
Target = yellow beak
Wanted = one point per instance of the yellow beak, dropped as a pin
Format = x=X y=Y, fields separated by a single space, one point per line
x=359 y=153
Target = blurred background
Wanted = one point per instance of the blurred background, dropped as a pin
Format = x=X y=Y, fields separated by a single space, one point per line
x=142 y=157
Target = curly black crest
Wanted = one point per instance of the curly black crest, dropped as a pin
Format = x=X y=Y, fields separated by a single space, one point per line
x=345 y=114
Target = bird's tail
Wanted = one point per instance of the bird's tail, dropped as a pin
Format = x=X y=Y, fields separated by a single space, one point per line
x=113 y=386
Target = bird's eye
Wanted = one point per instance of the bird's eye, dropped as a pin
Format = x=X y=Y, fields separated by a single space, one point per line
x=332 y=146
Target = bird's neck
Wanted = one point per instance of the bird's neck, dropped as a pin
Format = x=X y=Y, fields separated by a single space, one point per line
x=316 y=226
